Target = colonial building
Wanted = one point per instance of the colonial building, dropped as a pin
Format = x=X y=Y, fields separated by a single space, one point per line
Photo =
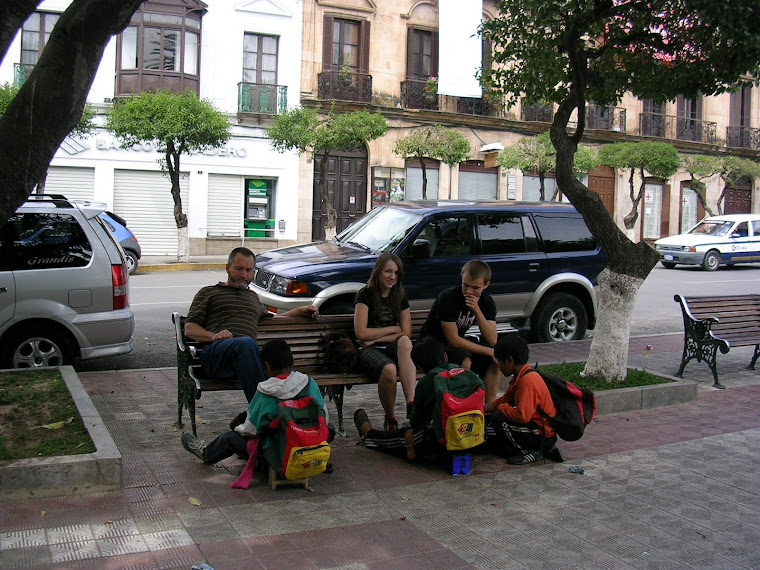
x=255 y=58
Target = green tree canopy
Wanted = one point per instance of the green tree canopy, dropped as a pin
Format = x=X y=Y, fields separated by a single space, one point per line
x=537 y=154
x=177 y=124
x=701 y=167
x=301 y=130
x=657 y=159
x=436 y=142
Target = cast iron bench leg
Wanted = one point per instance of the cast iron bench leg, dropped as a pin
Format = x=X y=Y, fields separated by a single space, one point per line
x=755 y=356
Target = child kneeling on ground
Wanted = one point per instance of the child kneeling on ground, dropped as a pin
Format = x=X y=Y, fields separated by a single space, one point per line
x=516 y=429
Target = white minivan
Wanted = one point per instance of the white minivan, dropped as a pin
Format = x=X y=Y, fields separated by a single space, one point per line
x=716 y=240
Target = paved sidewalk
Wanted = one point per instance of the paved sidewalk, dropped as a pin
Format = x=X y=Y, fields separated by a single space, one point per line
x=668 y=488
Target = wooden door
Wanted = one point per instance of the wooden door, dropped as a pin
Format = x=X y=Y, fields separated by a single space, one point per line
x=346 y=185
x=602 y=181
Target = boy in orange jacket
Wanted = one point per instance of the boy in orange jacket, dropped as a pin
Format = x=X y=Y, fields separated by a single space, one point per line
x=520 y=432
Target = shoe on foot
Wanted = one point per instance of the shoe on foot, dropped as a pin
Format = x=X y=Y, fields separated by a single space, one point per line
x=194 y=446
x=360 y=418
x=409 y=410
x=554 y=454
x=390 y=423
x=523 y=459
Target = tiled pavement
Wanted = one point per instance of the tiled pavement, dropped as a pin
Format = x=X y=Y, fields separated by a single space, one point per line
x=668 y=488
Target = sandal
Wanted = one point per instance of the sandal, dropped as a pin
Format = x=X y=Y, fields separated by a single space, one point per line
x=390 y=423
x=360 y=418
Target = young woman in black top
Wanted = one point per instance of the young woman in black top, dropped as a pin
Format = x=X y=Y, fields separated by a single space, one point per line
x=383 y=327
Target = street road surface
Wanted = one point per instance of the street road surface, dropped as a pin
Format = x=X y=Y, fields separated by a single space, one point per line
x=154 y=296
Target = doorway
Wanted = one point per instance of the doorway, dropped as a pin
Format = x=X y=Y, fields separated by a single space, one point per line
x=346 y=186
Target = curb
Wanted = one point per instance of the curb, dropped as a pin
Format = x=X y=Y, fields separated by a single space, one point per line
x=68 y=474
x=179 y=267
x=638 y=398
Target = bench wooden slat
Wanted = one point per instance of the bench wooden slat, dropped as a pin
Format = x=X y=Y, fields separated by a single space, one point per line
x=713 y=323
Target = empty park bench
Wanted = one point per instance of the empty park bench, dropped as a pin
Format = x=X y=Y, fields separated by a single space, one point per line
x=302 y=334
x=718 y=323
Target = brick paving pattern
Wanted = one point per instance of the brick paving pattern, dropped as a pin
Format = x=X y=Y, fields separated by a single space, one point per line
x=666 y=488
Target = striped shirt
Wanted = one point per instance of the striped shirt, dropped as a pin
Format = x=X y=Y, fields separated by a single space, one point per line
x=218 y=307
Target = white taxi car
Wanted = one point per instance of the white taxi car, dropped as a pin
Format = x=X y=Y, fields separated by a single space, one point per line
x=728 y=239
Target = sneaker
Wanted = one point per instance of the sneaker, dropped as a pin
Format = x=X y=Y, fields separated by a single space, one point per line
x=524 y=459
x=554 y=454
x=409 y=410
x=194 y=445
x=390 y=423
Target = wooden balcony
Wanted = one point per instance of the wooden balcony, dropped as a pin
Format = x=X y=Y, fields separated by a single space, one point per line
x=344 y=86
x=262 y=99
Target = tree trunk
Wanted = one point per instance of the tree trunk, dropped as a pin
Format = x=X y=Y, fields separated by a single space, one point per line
x=52 y=99
x=40 y=188
x=180 y=218
x=424 y=178
x=183 y=245
x=701 y=196
x=721 y=198
x=629 y=262
x=630 y=220
x=608 y=355
x=541 y=187
x=332 y=215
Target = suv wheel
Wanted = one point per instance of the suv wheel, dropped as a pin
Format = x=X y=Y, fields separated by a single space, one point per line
x=338 y=306
x=27 y=348
x=131 y=259
x=559 y=317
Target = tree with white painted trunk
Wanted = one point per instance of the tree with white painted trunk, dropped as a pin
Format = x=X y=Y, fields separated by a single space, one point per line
x=176 y=124
x=569 y=53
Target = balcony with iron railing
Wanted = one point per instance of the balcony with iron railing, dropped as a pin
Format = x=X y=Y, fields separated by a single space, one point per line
x=415 y=95
x=21 y=72
x=743 y=137
x=489 y=105
x=344 y=86
x=607 y=118
x=679 y=128
x=536 y=112
x=262 y=99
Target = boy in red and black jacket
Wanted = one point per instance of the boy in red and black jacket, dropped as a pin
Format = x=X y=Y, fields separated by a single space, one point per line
x=520 y=432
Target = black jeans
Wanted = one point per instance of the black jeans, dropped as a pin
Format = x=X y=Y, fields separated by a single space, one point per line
x=506 y=438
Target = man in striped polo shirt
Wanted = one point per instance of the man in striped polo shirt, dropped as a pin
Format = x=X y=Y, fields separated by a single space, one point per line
x=227 y=315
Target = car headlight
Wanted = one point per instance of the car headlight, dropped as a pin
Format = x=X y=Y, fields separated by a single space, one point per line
x=283 y=286
x=690 y=249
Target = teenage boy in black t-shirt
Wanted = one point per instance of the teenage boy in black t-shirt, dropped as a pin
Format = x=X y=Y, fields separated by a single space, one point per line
x=457 y=309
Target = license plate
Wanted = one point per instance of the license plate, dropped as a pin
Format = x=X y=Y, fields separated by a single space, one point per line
x=668 y=258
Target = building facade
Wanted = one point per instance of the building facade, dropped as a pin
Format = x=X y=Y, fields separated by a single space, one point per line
x=256 y=58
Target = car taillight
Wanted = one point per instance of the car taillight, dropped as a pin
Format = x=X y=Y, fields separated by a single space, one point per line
x=119 y=281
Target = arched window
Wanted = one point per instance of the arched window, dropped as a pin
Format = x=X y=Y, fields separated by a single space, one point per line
x=160 y=49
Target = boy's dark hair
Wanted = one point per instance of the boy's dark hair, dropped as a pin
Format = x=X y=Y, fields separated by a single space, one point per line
x=277 y=353
x=512 y=346
x=427 y=353
x=476 y=269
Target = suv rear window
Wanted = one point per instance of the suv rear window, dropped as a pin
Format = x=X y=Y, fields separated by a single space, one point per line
x=506 y=234
x=564 y=232
x=42 y=241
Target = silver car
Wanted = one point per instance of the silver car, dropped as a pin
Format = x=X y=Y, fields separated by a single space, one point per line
x=63 y=285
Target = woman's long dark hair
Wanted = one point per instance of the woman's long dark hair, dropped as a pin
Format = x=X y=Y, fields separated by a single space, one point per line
x=396 y=294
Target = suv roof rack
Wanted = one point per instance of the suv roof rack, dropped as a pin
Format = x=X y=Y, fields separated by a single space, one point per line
x=59 y=200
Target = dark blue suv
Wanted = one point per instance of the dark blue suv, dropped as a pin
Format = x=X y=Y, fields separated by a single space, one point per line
x=543 y=259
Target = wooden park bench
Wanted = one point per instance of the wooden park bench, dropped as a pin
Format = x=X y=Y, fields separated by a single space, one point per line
x=718 y=323
x=302 y=334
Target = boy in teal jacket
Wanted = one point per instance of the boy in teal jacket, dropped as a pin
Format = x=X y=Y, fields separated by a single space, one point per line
x=283 y=384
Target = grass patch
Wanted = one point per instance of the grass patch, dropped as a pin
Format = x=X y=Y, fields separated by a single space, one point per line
x=572 y=371
x=30 y=400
